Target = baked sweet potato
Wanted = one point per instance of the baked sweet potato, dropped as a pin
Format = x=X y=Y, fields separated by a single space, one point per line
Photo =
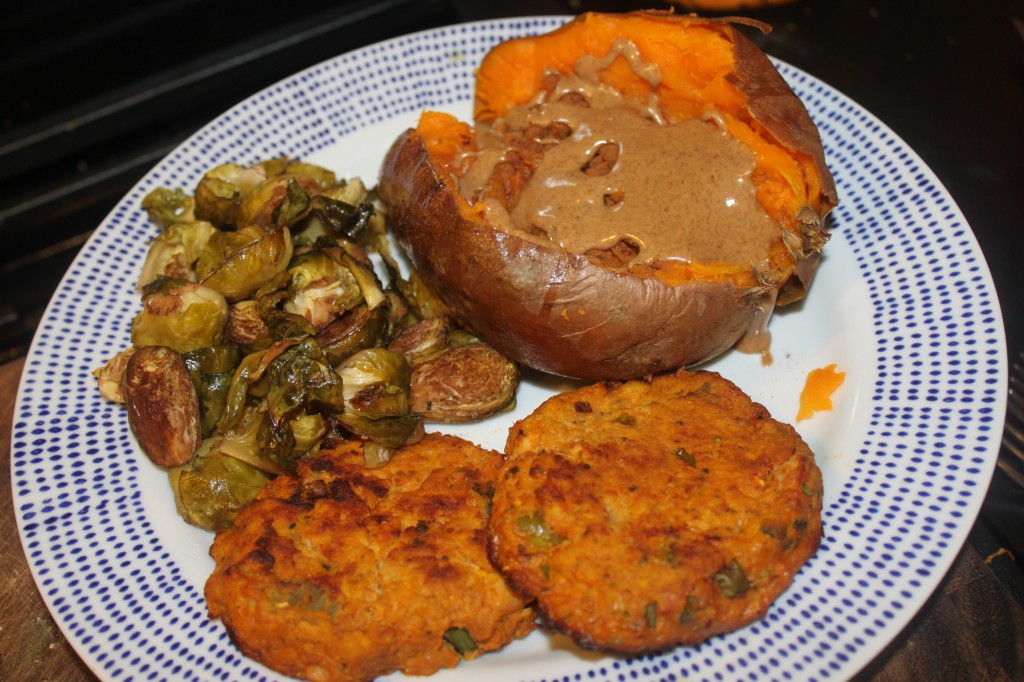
x=607 y=312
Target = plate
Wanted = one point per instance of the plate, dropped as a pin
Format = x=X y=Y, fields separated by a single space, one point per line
x=903 y=303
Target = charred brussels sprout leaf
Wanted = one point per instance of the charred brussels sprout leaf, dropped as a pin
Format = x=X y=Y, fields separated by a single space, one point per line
x=245 y=381
x=295 y=203
x=301 y=378
x=324 y=215
x=357 y=330
x=376 y=383
x=212 y=370
x=209 y=490
x=389 y=432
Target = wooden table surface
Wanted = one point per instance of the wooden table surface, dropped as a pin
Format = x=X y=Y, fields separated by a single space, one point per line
x=972 y=628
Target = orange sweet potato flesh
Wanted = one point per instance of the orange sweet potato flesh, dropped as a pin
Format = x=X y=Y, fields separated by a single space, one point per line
x=560 y=312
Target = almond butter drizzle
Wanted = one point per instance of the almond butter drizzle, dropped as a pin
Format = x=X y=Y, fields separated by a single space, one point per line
x=679 y=191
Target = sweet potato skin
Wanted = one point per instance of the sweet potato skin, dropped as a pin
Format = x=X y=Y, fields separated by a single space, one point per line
x=561 y=313
x=540 y=305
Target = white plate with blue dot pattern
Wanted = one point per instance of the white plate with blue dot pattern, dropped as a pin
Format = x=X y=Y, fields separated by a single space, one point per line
x=903 y=303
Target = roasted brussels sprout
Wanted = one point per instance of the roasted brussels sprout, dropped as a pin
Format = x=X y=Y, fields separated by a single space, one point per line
x=376 y=383
x=242 y=442
x=245 y=327
x=264 y=334
x=250 y=371
x=212 y=487
x=167 y=206
x=185 y=318
x=174 y=253
x=212 y=370
x=357 y=330
x=219 y=193
x=423 y=300
x=222 y=244
x=109 y=376
x=302 y=378
x=247 y=269
x=162 y=405
x=464 y=384
x=422 y=340
x=390 y=433
x=321 y=288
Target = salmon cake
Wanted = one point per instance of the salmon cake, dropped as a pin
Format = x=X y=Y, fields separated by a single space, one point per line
x=343 y=573
x=652 y=513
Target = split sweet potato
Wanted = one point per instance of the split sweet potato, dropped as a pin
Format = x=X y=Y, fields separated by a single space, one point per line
x=608 y=314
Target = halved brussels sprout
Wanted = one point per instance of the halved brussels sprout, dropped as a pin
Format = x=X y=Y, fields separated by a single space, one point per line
x=222 y=244
x=373 y=292
x=376 y=383
x=167 y=206
x=356 y=330
x=175 y=252
x=247 y=269
x=220 y=192
x=389 y=432
x=308 y=430
x=422 y=299
x=464 y=384
x=212 y=487
x=245 y=327
x=323 y=177
x=185 y=318
x=109 y=376
x=162 y=405
x=321 y=288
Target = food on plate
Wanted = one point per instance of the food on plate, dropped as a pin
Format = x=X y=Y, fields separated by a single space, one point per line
x=637 y=192
x=344 y=573
x=816 y=395
x=651 y=513
x=264 y=331
x=163 y=407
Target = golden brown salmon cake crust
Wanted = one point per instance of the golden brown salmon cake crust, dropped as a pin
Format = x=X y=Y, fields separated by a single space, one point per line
x=647 y=514
x=343 y=573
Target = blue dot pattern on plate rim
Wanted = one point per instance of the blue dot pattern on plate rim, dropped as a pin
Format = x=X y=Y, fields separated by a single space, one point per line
x=923 y=467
